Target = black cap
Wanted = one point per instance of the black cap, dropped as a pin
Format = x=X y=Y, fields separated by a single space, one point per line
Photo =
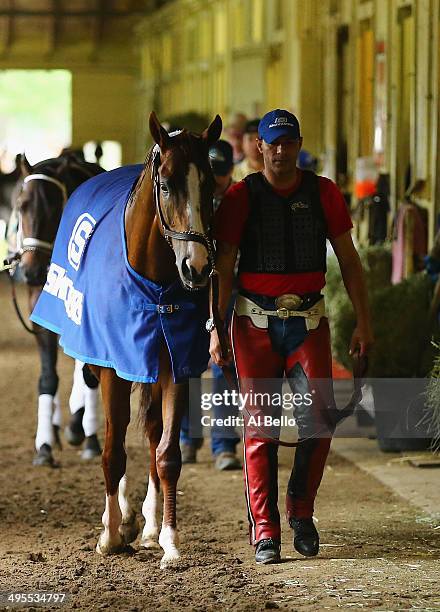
x=221 y=157
x=252 y=126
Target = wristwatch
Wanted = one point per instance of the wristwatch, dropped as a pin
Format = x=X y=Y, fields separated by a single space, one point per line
x=210 y=325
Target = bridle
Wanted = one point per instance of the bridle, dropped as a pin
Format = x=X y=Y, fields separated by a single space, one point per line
x=29 y=243
x=167 y=232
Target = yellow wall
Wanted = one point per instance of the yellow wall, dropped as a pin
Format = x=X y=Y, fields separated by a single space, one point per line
x=104 y=107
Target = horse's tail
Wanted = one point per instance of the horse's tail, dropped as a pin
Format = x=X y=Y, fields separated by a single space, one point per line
x=144 y=405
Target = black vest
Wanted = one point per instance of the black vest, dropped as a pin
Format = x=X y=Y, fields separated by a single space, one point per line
x=284 y=235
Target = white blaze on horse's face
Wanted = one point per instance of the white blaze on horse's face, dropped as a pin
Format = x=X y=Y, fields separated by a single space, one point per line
x=192 y=257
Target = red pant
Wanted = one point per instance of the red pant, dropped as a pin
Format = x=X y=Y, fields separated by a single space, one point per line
x=254 y=359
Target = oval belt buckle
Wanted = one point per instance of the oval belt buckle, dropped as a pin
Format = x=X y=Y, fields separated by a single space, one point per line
x=288 y=301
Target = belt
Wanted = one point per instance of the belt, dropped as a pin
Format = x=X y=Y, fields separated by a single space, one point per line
x=246 y=307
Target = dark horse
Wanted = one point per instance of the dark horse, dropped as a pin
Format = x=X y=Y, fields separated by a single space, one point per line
x=146 y=241
x=39 y=202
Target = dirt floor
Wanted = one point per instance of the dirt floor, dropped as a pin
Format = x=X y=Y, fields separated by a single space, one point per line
x=377 y=552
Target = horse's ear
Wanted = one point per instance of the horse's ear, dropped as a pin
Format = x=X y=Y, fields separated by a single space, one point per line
x=159 y=133
x=213 y=132
x=25 y=166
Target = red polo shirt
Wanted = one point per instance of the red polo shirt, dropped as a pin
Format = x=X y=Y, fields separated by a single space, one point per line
x=230 y=221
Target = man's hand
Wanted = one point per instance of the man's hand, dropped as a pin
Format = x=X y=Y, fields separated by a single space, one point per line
x=216 y=352
x=361 y=340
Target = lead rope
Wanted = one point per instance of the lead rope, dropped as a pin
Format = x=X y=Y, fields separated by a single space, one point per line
x=17 y=308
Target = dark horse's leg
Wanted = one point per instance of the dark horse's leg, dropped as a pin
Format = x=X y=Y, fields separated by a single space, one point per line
x=47 y=343
x=118 y=518
x=151 y=416
x=168 y=457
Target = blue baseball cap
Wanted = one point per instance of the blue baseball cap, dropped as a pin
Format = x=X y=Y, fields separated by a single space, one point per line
x=278 y=123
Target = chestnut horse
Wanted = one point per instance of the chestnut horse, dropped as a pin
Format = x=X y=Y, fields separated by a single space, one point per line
x=176 y=214
x=127 y=290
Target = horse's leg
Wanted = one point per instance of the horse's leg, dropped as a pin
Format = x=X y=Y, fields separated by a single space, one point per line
x=90 y=419
x=168 y=457
x=153 y=426
x=116 y=401
x=47 y=343
x=74 y=431
x=129 y=527
x=57 y=420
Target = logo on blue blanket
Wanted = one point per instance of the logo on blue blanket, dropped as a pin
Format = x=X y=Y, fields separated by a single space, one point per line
x=78 y=239
x=61 y=286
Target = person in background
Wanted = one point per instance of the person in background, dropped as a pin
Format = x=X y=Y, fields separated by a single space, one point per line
x=224 y=440
x=253 y=160
x=234 y=133
x=307 y=161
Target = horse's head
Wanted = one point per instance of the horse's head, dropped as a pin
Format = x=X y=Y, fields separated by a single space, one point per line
x=38 y=206
x=184 y=192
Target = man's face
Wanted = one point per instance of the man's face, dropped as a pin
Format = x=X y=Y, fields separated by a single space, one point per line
x=280 y=156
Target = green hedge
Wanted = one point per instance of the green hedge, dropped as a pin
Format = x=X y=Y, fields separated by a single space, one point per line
x=399 y=317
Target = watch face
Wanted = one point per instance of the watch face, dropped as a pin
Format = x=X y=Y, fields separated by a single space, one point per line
x=210 y=325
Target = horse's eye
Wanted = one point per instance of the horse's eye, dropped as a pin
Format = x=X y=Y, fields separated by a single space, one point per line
x=164 y=188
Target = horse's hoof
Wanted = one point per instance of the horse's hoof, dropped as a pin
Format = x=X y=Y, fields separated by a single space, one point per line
x=44 y=457
x=149 y=543
x=170 y=559
x=57 y=437
x=110 y=548
x=150 y=539
x=129 y=530
x=92 y=448
x=74 y=432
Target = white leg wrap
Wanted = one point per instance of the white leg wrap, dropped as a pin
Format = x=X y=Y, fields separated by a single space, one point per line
x=76 y=400
x=90 y=419
x=57 y=417
x=44 y=427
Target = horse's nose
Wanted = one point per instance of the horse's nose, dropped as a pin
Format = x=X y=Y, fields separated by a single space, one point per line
x=191 y=274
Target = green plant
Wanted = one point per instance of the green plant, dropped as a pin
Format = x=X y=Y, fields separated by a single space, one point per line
x=400 y=324
x=433 y=399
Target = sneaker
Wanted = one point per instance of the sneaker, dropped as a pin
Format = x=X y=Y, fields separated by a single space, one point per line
x=227 y=461
x=306 y=537
x=267 y=551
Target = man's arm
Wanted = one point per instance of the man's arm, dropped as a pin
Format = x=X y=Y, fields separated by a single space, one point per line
x=225 y=263
x=353 y=277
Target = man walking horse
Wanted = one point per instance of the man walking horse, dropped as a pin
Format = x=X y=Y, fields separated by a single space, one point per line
x=280 y=219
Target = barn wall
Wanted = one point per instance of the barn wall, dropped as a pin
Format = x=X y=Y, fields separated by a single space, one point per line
x=104 y=107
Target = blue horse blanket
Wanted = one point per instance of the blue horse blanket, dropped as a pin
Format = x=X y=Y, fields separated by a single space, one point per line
x=105 y=312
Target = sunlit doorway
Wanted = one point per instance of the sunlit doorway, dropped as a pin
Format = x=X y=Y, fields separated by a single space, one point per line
x=35 y=114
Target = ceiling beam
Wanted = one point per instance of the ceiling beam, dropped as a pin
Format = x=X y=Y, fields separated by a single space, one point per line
x=56 y=25
x=10 y=32
x=12 y=12
x=104 y=7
